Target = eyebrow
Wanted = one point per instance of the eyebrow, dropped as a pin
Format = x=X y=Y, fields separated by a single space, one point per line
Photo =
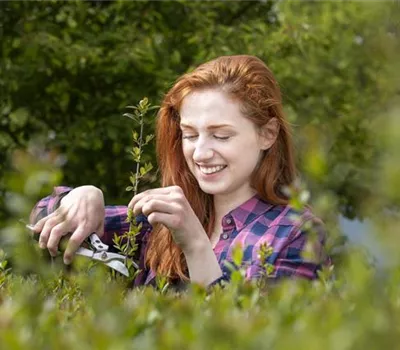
x=210 y=127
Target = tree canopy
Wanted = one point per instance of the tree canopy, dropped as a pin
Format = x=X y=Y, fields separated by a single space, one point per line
x=69 y=69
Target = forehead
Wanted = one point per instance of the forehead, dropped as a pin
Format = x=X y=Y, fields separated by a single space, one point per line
x=202 y=108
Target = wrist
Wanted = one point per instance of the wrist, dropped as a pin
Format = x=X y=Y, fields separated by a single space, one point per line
x=202 y=262
x=197 y=247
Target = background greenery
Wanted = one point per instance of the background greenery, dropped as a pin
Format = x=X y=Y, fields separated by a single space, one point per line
x=68 y=69
x=67 y=72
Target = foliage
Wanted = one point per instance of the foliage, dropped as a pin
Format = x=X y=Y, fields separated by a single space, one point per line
x=351 y=306
x=126 y=243
x=140 y=141
x=68 y=69
x=101 y=59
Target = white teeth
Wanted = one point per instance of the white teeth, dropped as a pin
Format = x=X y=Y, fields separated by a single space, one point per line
x=212 y=170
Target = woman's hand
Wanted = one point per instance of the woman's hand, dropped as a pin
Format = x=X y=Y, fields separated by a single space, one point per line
x=170 y=207
x=81 y=212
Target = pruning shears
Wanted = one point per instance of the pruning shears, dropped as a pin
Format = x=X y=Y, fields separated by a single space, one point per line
x=98 y=251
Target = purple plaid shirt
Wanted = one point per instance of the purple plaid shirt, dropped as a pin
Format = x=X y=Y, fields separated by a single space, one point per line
x=250 y=225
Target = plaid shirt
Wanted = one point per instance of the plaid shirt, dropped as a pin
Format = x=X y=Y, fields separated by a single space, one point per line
x=250 y=225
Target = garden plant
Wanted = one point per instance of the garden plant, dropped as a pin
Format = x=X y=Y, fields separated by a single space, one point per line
x=67 y=72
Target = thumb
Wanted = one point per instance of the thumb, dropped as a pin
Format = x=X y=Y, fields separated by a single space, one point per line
x=100 y=229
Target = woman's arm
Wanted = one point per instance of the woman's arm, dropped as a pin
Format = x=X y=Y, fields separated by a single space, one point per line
x=201 y=261
x=297 y=252
x=301 y=253
x=170 y=207
x=80 y=210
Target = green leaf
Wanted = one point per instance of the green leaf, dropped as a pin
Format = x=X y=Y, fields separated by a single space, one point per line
x=148 y=167
x=144 y=102
x=229 y=265
x=149 y=138
x=133 y=178
x=131 y=116
x=136 y=151
x=237 y=255
x=3 y=264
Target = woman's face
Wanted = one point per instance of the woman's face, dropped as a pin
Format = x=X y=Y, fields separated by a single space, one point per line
x=220 y=145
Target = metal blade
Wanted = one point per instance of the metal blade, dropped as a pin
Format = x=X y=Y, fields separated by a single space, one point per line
x=102 y=256
x=118 y=266
x=85 y=252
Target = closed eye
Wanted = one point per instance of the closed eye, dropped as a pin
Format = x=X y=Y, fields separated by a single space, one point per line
x=191 y=137
x=222 y=137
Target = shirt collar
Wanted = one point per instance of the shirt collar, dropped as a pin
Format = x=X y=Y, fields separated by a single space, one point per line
x=245 y=213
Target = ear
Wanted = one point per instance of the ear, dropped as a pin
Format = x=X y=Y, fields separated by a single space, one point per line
x=269 y=133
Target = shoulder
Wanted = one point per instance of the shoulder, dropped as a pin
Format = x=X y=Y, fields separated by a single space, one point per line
x=286 y=222
x=261 y=216
x=286 y=215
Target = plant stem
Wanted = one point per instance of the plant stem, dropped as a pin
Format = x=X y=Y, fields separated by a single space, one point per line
x=140 y=155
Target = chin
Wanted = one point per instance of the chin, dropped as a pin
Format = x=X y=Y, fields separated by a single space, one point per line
x=212 y=191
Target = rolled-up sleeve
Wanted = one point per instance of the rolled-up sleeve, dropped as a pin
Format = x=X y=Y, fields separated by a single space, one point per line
x=48 y=204
x=114 y=220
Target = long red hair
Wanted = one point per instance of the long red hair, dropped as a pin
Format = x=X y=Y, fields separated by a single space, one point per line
x=248 y=80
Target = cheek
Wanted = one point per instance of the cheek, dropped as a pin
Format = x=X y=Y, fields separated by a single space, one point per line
x=187 y=152
x=247 y=154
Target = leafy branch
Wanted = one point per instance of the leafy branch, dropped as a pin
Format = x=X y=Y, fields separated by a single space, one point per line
x=126 y=243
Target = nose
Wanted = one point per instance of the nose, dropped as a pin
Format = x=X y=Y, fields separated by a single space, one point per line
x=202 y=151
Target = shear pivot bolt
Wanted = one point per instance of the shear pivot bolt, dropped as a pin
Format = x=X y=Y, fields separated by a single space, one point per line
x=104 y=256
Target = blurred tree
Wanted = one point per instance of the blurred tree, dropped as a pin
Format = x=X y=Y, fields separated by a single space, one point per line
x=68 y=69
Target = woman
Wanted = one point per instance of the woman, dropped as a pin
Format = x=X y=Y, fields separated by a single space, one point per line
x=225 y=153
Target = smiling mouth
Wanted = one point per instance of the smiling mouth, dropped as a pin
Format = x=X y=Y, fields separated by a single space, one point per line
x=211 y=170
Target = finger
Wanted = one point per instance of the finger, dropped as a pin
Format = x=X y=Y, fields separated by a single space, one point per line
x=46 y=230
x=146 y=201
x=74 y=243
x=154 y=191
x=156 y=205
x=56 y=234
x=35 y=235
x=38 y=227
x=168 y=220
x=32 y=233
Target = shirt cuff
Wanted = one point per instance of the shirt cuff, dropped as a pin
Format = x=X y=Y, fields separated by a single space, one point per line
x=220 y=281
x=48 y=204
x=58 y=194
